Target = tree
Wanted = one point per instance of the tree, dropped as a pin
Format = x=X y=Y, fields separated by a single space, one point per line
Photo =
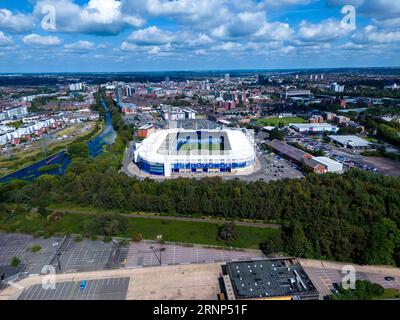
x=276 y=134
x=267 y=247
x=107 y=225
x=227 y=232
x=78 y=150
x=42 y=212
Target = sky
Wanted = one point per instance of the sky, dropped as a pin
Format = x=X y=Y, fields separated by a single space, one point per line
x=174 y=35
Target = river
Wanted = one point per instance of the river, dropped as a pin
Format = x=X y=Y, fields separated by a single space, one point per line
x=96 y=148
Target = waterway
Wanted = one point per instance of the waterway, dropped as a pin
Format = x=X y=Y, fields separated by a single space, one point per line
x=62 y=159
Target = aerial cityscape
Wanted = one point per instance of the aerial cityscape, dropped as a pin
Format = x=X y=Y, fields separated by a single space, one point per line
x=219 y=151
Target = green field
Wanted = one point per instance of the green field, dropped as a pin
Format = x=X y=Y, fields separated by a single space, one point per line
x=174 y=231
x=275 y=121
x=203 y=146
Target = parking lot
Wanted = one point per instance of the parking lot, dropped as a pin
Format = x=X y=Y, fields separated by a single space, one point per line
x=146 y=254
x=104 y=289
x=272 y=168
x=74 y=256
x=89 y=255
x=324 y=278
x=18 y=245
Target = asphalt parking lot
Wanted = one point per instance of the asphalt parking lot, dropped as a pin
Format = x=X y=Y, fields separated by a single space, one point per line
x=89 y=255
x=324 y=278
x=18 y=245
x=146 y=254
x=104 y=289
x=274 y=168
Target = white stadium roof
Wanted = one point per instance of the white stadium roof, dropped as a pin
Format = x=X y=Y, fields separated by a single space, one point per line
x=241 y=147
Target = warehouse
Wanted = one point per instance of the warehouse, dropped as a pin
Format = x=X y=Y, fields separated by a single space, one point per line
x=330 y=165
x=289 y=152
x=274 y=279
x=352 y=142
x=314 y=127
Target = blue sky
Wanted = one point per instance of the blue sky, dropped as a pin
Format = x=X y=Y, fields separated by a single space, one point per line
x=155 y=35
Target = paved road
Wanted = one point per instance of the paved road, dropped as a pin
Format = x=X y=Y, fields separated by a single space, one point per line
x=186 y=219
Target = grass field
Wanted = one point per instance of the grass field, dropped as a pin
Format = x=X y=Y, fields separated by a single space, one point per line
x=203 y=146
x=174 y=231
x=275 y=121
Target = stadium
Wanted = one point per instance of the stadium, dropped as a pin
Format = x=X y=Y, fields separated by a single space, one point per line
x=179 y=152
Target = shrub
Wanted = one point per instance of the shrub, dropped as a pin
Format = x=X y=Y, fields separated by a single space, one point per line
x=78 y=238
x=36 y=248
x=15 y=262
x=107 y=239
x=227 y=232
x=137 y=237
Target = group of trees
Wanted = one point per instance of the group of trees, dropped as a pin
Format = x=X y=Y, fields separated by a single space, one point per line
x=364 y=290
x=354 y=217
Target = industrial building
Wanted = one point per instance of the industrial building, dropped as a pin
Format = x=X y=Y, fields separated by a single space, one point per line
x=329 y=164
x=180 y=151
x=314 y=127
x=318 y=165
x=351 y=141
x=146 y=131
x=175 y=113
x=273 y=279
x=289 y=152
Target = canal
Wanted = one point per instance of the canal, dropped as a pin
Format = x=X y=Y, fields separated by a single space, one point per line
x=57 y=164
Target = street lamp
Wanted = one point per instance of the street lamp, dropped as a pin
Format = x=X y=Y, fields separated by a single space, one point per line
x=58 y=254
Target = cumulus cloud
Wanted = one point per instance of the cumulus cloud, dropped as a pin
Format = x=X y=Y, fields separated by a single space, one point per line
x=42 y=41
x=4 y=40
x=96 y=17
x=151 y=36
x=80 y=46
x=327 y=30
x=16 y=23
x=371 y=34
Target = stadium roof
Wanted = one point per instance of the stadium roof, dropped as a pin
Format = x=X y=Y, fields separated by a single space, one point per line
x=238 y=146
x=269 y=278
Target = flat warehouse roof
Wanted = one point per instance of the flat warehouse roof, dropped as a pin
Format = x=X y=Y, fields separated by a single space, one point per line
x=269 y=278
x=351 y=140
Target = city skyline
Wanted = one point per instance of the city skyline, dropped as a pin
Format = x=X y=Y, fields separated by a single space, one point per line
x=157 y=35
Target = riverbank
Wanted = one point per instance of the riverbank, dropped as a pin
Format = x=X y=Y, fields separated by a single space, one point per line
x=23 y=159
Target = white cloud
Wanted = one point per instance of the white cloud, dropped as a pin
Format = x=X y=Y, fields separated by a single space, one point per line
x=4 y=40
x=96 y=17
x=17 y=23
x=37 y=40
x=327 y=30
x=80 y=46
x=151 y=36
x=371 y=34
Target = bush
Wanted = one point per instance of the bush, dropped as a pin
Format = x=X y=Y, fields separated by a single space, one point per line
x=107 y=239
x=38 y=234
x=36 y=248
x=15 y=262
x=267 y=247
x=137 y=237
x=93 y=237
x=78 y=238
x=107 y=225
x=227 y=232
